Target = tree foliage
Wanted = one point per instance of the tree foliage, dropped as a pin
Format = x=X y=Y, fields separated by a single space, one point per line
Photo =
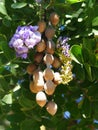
x=78 y=100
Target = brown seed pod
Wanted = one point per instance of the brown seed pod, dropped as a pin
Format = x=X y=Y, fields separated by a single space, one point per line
x=51 y=108
x=33 y=88
x=50 y=48
x=38 y=80
x=56 y=63
x=54 y=18
x=42 y=26
x=49 y=87
x=48 y=59
x=50 y=32
x=48 y=74
x=38 y=57
x=41 y=98
x=30 y=68
x=57 y=78
x=37 y=75
x=40 y=47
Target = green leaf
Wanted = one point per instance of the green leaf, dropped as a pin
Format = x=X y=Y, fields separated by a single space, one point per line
x=3 y=8
x=76 y=53
x=95 y=21
x=3 y=83
x=26 y=103
x=88 y=56
x=29 y=124
x=8 y=52
x=48 y=123
x=95 y=109
x=86 y=108
x=16 y=117
x=89 y=71
x=79 y=71
x=7 y=98
x=18 y=5
x=74 y=1
x=13 y=68
x=7 y=21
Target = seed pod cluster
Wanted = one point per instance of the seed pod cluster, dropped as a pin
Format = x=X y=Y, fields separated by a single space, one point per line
x=45 y=80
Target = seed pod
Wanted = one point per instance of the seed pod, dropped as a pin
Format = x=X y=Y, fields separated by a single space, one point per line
x=37 y=75
x=51 y=107
x=38 y=57
x=38 y=80
x=57 y=78
x=50 y=32
x=31 y=68
x=40 y=47
x=49 y=87
x=48 y=74
x=48 y=59
x=54 y=18
x=50 y=48
x=41 y=98
x=56 y=63
x=42 y=26
x=33 y=88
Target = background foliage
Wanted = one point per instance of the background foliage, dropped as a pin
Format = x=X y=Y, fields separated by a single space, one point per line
x=77 y=101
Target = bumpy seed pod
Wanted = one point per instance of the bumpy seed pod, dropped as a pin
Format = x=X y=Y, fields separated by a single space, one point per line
x=33 y=88
x=38 y=57
x=48 y=74
x=50 y=47
x=54 y=18
x=41 y=98
x=57 y=78
x=50 y=32
x=49 y=87
x=38 y=80
x=51 y=107
x=31 y=68
x=56 y=63
x=40 y=47
x=48 y=59
x=42 y=26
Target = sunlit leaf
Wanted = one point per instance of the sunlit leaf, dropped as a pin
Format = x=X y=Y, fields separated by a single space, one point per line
x=3 y=8
x=18 y=5
x=76 y=53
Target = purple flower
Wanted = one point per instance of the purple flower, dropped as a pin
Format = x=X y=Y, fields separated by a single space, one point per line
x=62 y=43
x=25 y=38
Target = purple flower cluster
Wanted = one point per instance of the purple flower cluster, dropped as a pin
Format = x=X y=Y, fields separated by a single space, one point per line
x=25 y=38
x=62 y=43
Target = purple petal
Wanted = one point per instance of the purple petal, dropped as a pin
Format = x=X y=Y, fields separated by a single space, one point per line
x=18 y=43
x=30 y=43
x=21 y=50
x=33 y=28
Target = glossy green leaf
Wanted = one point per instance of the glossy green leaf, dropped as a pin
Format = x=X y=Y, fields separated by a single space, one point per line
x=3 y=8
x=18 y=5
x=74 y=1
x=7 y=99
x=76 y=54
x=95 y=21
